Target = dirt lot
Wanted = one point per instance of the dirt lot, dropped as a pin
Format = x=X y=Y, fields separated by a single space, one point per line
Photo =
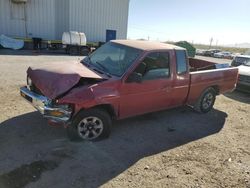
x=174 y=148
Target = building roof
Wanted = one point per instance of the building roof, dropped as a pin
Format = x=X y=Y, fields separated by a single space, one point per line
x=147 y=45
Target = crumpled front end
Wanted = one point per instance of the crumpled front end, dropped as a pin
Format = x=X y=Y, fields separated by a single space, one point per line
x=57 y=113
x=55 y=80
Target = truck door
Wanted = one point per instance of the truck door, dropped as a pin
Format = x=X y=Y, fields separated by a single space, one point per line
x=154 y=92
x=181 y=79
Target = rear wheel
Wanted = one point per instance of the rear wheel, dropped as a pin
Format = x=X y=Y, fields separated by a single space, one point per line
x=93 y=124
x=206 y=101
x=84 y=51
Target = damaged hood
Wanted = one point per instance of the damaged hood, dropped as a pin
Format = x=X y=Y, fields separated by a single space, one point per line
x=54 y=80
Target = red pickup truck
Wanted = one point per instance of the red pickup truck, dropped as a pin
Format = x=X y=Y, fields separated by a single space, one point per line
x=124 y=78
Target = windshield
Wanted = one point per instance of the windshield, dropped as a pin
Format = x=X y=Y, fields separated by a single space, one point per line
x=114 y=58
x=243 y=60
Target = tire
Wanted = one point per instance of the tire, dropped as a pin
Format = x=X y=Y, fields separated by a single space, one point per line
x=206 y=101
x=73 y=50
x=91 y=125
x=84 y=51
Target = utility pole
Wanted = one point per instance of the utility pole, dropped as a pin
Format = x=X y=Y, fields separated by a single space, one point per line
x=211 y=41
x=217 y=43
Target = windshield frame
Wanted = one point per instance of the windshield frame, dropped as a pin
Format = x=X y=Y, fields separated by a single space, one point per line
x=139 y=53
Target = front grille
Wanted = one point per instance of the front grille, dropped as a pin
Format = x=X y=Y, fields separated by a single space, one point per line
x=244 y=78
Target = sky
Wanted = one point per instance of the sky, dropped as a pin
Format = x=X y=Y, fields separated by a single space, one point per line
x=196 y=21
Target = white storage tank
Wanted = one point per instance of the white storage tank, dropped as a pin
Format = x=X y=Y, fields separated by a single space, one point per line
x=74 y=38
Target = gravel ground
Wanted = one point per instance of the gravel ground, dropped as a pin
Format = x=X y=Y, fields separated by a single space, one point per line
x=173 y=148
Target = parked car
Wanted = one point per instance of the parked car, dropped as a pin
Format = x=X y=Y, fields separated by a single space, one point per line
x=211 y=52
x=124 y=78
x=200 y=52
x=244 y=77
x=226 y=55
x=235 y=55
x=240 y=60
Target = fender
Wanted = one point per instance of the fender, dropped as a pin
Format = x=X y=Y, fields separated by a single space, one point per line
x=88 y=97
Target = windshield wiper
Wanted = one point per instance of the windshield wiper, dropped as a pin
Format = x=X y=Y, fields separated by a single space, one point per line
x=105 y=70
x=86 y=61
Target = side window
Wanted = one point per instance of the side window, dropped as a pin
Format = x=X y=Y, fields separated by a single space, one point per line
x=154 y=66
x=181 y=61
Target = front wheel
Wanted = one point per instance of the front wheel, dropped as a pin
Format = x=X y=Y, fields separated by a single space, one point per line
x=93 y=124
x=206 y=101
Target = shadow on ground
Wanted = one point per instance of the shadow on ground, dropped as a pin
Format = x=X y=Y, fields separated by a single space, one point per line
x=27 y=138
x=239 y=96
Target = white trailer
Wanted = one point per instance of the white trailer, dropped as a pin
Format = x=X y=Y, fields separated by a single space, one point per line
x=75 y=43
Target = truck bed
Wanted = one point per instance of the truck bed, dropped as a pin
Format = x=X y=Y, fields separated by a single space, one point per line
x=198 y=64
x=204 y=74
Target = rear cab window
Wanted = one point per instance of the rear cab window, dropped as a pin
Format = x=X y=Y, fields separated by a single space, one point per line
x=181 y=62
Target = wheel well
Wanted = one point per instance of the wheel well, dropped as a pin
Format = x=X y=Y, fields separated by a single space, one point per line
x=216 y=88
x=108 y=108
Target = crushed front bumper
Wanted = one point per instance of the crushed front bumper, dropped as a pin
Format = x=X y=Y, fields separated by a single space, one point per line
x=43 y=105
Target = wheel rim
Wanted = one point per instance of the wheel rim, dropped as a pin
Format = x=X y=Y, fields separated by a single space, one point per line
x=90 y=127
x=207 y=101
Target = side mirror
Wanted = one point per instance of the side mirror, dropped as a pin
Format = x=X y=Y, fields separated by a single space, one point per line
x=134 y=77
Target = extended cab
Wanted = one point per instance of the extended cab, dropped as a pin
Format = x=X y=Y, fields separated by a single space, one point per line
x=124 y=78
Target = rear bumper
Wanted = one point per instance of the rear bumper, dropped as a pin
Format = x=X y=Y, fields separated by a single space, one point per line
x=43 y=105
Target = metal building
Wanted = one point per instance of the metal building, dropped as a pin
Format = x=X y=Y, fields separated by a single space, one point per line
x=100 y=20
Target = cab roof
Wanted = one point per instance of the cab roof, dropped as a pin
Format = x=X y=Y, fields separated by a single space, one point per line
x=147 y=45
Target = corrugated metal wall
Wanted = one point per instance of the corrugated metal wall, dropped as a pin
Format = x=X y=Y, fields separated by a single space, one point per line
x=39 y=15
x=94 y=17
x=62 y=17
x=48 y=19
x=11 y=18
x=41 y=18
